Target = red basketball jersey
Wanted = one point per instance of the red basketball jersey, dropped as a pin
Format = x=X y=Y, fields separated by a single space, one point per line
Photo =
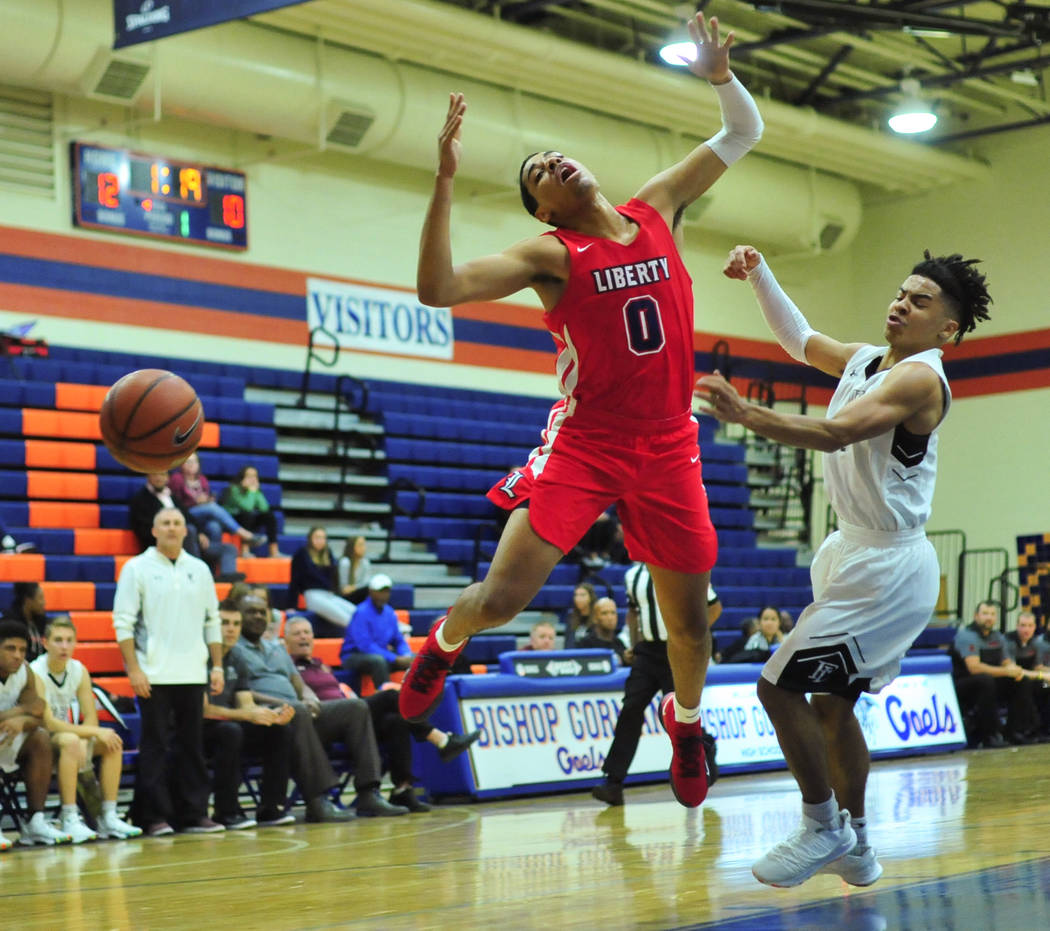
x=624 y=326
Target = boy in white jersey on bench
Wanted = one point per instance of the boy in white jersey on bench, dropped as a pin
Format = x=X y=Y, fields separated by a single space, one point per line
x=66 y=685
x=876 y=579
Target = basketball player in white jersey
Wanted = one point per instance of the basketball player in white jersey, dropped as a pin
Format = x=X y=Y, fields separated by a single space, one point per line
x=876 y=579
x=71 y=718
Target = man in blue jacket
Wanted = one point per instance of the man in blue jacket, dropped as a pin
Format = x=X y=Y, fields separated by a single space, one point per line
x=374 y=643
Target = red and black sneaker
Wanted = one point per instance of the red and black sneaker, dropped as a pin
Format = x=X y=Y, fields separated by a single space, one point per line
x=423 y=687
x=688 y=766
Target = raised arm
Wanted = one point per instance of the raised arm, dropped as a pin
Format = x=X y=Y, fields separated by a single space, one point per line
x=911 y=394
x=792 y=330
x=441 y=284
x=677 y=187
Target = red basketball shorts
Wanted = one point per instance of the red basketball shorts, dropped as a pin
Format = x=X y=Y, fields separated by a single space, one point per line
x=653 y=478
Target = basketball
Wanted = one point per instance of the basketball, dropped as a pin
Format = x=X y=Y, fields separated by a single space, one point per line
x=151 y=420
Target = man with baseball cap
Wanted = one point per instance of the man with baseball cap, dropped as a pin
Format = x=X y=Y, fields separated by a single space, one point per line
x=374 y=644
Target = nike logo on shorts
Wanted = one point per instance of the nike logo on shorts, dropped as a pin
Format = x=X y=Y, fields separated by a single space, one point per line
x=584 y=248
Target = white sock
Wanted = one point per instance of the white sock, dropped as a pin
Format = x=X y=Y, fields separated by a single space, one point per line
x=109 y=809
x=443 y=643
x=685 y=715
x=69 y=811
x=827 y=813
x=860 y=827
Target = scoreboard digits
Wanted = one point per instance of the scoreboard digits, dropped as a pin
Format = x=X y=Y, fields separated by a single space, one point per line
x=146 y=195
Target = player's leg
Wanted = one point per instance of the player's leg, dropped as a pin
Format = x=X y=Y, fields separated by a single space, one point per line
x=682 y=598
x=72 y=757
x=848 y=763
x=521 y=564
x=35 y=760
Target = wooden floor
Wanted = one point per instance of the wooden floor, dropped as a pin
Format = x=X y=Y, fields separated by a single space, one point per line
x=964 y=839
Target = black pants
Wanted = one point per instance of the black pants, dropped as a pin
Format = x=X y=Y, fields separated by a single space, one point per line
x=982 y=694
x=224 y=742
x=393 y=733
x=372 y=664
x=345 y=720
x=650 y=673
x=175 y=790
x=256 y=521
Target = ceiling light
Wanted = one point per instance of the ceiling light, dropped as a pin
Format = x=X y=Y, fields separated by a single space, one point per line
x=926 y=33
x=1026 y=77
x=679 y=53
x=913 y=115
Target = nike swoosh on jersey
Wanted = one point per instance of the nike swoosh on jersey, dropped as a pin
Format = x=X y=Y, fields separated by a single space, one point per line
x=584 y=248
x=181 y=437
x=695 y=459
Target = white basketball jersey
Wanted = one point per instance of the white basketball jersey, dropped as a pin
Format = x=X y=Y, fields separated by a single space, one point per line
x=12 y=688
x=885 y=483
x=61 y=691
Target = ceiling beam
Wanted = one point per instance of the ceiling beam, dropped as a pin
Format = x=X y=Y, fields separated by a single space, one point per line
x=807 y=95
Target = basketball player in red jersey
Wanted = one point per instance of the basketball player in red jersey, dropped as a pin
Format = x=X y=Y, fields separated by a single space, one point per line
x=619 y=304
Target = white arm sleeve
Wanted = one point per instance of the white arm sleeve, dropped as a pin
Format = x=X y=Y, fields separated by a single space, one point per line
x=791 y=329
x=741 y=122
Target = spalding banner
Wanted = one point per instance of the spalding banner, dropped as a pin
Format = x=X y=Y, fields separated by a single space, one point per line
x=144 y=20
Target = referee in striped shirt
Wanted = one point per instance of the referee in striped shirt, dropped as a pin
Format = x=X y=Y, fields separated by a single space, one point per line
x=650 y=673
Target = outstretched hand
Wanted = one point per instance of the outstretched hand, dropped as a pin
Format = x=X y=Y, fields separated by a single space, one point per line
x=742 y=259
x=449 y=146
x=712 y=57
x=720 y=399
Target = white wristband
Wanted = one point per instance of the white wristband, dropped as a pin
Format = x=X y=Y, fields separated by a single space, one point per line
x=741 y=122
x=791 y=329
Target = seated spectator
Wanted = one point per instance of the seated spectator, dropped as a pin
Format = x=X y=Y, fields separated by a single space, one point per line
x=354 y=570
x=748 y=628
x=787 y=623
x=275 y=629
x=232 y=723
x=374 y=644
x=29 y=607
x=24 y=744
x=392 y=731
x=265 y=666
x=244 y=499
x=763 y=641
x=541 y=637
x=191 y=491
x=602 y=632
x=985 y=675
x=1032 y=653
x=156 y=494
x=65 y=685
x=314 y=577
x=578 y=617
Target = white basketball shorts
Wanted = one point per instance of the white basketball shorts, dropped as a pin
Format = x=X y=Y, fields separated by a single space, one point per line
x=873 y=594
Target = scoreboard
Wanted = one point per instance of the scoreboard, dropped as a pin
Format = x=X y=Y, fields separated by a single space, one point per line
x=149 y=195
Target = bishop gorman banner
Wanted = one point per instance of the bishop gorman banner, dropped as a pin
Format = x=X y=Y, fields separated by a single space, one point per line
x=144 y=20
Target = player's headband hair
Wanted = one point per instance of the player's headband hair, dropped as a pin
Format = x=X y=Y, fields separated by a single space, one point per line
x=527 y=199
x=966 y=287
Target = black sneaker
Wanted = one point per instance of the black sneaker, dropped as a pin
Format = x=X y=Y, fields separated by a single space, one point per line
x=370 y=804
x=320 y=810
x=609 y=792
x=406 y=798
x=457 y=743
x=273 y=818
x=237 y=822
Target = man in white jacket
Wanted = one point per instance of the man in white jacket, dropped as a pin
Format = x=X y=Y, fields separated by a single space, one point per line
x=166 y=619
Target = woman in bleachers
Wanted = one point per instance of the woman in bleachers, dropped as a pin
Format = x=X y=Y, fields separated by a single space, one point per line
x=244 y=499
x=28 y=607
x=314 y=577
x=191 y=491
x=579 y=616
x=354 y=570
x=764 y=640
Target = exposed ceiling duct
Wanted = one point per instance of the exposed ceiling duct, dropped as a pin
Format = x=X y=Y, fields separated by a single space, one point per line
x=248 y=77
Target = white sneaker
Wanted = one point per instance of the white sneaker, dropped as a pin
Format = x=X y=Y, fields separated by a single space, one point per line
x=111 y=826
x=793 y=861
x=74 y=826
x=39 y=831
x=858 y=869
x=5 y=844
